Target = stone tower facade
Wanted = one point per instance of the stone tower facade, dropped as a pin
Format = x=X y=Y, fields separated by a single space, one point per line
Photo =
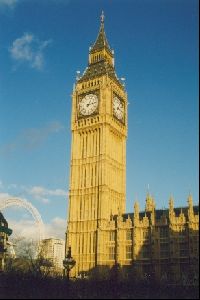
x=163 y=243
x=98 y=153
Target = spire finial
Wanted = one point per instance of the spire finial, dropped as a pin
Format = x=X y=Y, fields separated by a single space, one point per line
x=190 y=202
x=171 y=202
x=148 y=190
x=102 y=17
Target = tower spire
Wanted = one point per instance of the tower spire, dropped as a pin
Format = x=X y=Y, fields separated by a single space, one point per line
x=102 y=17
x=101 y=41
x=101 y=58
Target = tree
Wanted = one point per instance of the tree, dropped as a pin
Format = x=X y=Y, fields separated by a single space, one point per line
x=29 y=259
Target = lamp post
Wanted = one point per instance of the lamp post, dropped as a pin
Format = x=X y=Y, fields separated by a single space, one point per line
x=68 y=263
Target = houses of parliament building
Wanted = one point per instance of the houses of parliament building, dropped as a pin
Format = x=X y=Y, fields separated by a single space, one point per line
x=100 y=233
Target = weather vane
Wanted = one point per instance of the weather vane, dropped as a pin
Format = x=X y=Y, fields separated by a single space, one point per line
x=102 y=17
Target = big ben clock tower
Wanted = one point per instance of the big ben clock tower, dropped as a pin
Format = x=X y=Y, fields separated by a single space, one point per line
x=98 y=154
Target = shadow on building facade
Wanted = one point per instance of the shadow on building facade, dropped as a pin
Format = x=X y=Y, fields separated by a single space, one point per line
x=159 y=245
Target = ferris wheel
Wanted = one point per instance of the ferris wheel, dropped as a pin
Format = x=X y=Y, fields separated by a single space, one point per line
x=9 y=202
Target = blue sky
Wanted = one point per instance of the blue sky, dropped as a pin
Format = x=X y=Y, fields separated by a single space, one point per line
x=42 y=45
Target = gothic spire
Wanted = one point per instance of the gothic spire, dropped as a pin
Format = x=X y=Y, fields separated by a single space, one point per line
x=101 y=58
x=101 y=41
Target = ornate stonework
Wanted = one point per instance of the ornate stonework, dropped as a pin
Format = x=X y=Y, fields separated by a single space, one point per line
x=160 y=242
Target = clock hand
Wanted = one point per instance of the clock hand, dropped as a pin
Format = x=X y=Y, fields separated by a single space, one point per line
x=88 y=103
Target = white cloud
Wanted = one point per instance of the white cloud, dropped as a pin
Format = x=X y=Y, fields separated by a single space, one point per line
x=11 y=3
x=4 y=196
x=41 y=193
x=8 y=3
x=29 y=49
x=56 y=228
x=23 y=228
x=28 y=229
x=26 y=226
x=1 y=184
x=15 y=208
x=12 y=186
x=31 y=138
x=35 y=136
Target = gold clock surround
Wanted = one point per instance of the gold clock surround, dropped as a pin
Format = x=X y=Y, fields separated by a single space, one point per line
x=81 y=97
x=122 y=102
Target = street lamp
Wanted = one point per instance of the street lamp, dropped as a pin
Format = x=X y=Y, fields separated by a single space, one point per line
x=68 y=263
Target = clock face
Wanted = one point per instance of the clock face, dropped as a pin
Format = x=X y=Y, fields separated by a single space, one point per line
x=118 y=108
x=88 y=104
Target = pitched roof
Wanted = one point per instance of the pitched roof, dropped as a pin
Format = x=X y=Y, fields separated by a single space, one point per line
x=98 y=69
x=101 y=41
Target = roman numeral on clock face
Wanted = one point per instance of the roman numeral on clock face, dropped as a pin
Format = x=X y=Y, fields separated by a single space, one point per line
x=88 y=104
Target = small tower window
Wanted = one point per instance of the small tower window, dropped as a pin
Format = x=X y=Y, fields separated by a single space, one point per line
x=129 y=235
x=128 y=252
x=164 y=232
x=111 y=253
x=112 y=236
